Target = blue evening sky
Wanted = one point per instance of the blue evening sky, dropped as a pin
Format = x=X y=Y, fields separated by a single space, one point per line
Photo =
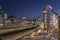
x=28 y=8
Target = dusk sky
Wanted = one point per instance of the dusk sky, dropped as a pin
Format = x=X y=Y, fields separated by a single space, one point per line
x=28 y=8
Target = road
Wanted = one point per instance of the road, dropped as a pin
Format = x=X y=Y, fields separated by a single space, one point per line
x=18 y=34
x=6 y=30
x=36 y=36
x=27 y=34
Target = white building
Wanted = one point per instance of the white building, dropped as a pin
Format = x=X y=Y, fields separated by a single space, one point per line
x=5 y=16
x=52 y=19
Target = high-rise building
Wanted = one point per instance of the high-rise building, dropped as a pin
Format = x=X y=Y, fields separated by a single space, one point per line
x=45 y=15
x=50 y=17
x=1 y=17
x=50 y=20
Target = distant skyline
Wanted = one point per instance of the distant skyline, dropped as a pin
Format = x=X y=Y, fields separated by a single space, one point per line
x=28 y=8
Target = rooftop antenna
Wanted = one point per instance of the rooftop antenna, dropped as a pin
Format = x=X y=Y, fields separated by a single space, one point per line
x=45 y=5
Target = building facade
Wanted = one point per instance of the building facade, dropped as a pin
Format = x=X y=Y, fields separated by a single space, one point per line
x=1 y=18
x=59 y=28
x=52 y=19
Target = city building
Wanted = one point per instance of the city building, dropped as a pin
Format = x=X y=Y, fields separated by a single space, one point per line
x=5 y=18
x=38 y=21
x=24 y=20
x=59 y=28
x=5 y=15
x=52 y=19
x=30 y=21
x=46 y=9
x=1 y=17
